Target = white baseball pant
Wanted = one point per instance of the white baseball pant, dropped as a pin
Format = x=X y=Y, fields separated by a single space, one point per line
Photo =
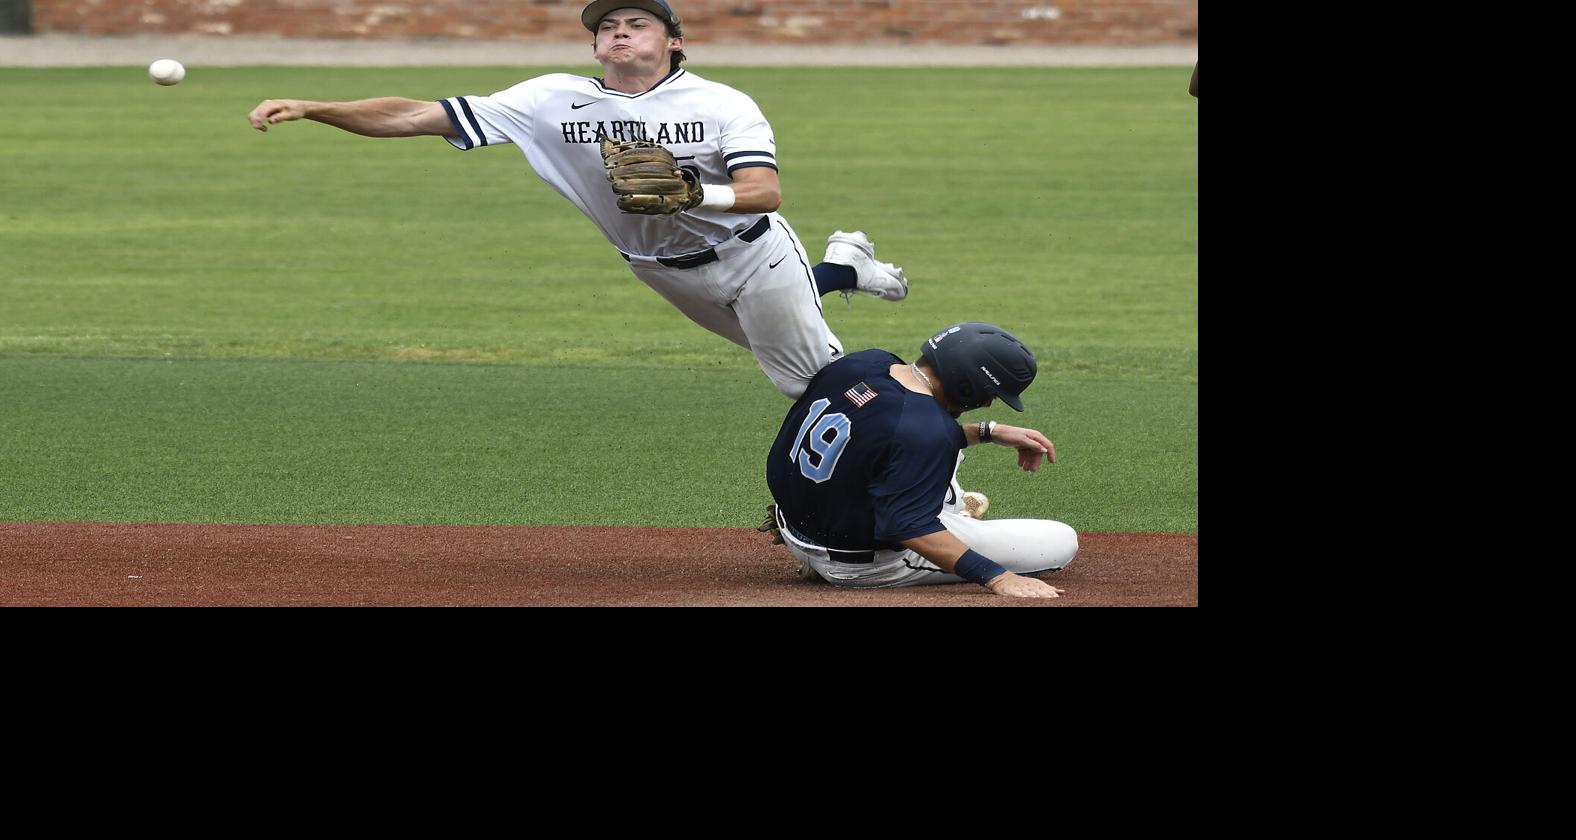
x=760 y=295
x=1022 y=546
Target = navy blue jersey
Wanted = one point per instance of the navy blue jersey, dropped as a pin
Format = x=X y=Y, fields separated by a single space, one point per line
x=861 y=462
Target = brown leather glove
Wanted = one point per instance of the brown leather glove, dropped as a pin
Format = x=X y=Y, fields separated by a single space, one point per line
x=647 y=179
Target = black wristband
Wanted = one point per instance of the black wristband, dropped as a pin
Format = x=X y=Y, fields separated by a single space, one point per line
x=984 y=431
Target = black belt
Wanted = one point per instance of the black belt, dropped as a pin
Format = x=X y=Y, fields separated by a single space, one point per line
x=838 y=554
x=710 y=254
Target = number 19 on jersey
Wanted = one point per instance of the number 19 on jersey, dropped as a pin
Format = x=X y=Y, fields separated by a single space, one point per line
x=813 y=438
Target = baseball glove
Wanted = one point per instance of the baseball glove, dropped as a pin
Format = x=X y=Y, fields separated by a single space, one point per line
x=647 y=179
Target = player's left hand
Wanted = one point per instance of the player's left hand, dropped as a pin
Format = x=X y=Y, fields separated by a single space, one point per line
x=1033 y=447
x=647 y=179
x=1018 y=586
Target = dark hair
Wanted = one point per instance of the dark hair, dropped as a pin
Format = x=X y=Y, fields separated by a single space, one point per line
x=676 y=31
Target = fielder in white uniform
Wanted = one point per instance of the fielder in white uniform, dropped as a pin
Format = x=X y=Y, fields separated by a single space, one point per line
x=733 y=264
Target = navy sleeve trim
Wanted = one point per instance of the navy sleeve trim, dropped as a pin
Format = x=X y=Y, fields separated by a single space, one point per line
x=748 y=165
x=460 y=138
x=481 y=136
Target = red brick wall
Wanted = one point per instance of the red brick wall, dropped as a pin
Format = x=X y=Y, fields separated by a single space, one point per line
x=1038 y=22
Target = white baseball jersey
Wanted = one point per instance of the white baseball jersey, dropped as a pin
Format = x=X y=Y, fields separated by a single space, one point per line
x=558 y=121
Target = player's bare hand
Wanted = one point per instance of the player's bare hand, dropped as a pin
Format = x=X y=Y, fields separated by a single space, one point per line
x=271 y=111
x=1033 y=447
x=1018 y=586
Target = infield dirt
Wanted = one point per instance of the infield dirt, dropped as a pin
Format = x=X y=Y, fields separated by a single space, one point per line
x=232 y=51
x=109 y=564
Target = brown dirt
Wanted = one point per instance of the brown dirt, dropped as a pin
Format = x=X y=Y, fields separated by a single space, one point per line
x=198 y=52
x=112 y=564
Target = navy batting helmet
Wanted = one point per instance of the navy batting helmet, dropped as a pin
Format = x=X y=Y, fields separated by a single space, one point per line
x=976 y=362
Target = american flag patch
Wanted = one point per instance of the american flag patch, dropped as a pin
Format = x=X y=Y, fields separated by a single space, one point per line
x=860 y=394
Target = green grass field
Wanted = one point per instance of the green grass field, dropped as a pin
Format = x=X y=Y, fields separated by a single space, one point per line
x=202 y=323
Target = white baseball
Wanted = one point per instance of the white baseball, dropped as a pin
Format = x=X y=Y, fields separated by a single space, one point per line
x=166 y=71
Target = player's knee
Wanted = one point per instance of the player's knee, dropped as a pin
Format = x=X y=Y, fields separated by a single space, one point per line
x=1060 y=543
x=793 y=389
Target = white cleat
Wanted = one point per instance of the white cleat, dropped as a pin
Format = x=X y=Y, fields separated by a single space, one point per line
x=893 y=285
x=855 y=250
x=974 y=505
x=808 y=573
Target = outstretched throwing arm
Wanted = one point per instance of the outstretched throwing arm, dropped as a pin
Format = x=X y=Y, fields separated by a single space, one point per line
x=389 y=116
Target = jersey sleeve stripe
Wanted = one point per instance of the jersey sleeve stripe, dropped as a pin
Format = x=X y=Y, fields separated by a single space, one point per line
x=459 y=140
x=747 y=164
x=467 y=134
x=481 y=136
x=767 y=155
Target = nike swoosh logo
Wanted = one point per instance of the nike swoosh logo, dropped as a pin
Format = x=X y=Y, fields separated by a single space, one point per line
x=578 y=107
x=779 y=260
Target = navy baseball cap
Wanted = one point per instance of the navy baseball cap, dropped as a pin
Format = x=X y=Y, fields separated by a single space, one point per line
x=598 y=9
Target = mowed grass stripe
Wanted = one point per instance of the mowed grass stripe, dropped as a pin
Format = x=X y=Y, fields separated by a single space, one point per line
x=322 y=442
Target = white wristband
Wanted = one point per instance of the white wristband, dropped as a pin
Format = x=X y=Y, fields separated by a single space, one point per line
x=716 y=197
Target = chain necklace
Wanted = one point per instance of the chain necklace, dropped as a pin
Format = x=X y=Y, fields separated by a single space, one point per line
x=928 y=384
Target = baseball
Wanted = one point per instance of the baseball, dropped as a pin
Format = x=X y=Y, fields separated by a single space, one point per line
x=166 y=71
